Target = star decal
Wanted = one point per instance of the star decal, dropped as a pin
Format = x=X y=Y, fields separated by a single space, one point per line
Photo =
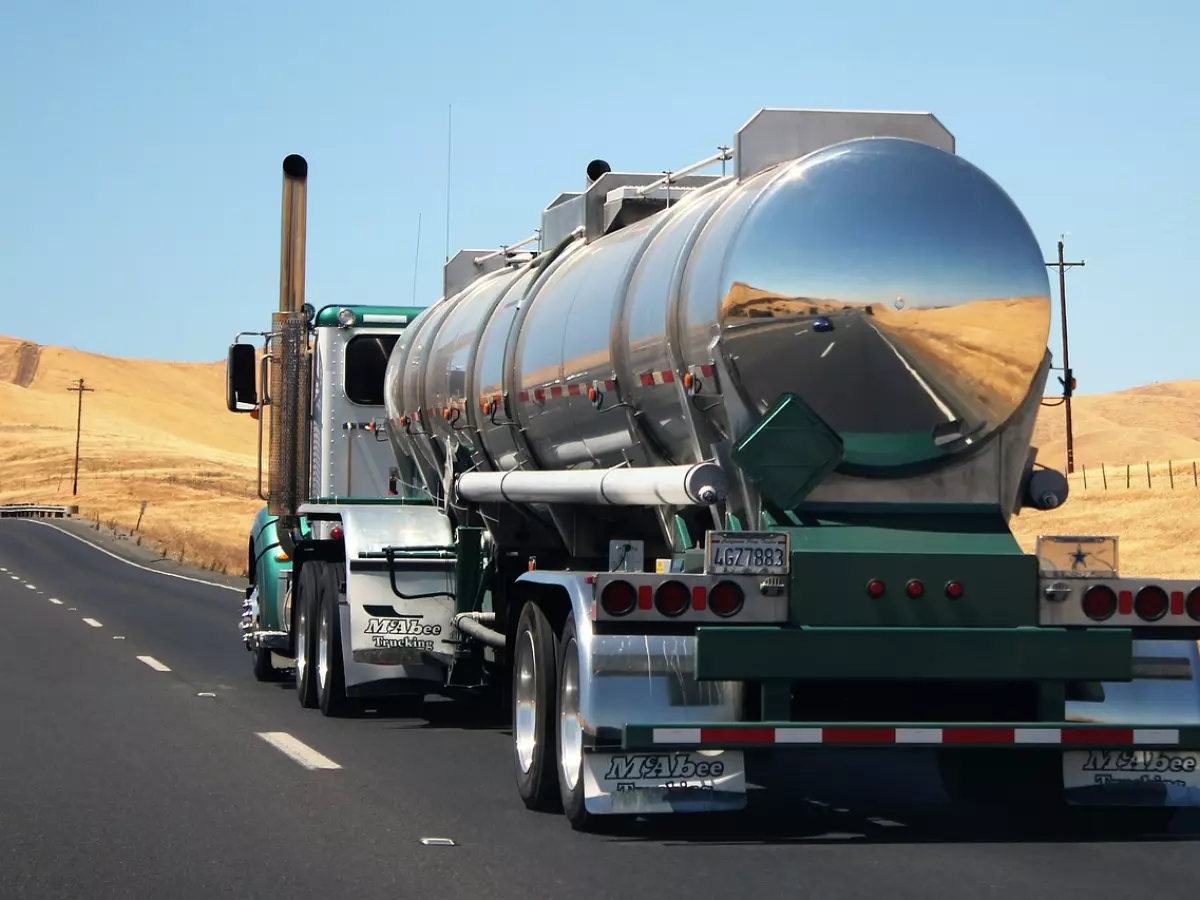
x=1079 y=557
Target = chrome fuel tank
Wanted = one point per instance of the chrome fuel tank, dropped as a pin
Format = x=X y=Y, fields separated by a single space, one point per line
x=892 y=285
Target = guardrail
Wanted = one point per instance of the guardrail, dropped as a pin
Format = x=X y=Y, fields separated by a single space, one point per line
x=36 y=511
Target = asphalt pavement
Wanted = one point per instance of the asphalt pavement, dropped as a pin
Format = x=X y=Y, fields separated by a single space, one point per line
x=141 y=759
x=851 y=376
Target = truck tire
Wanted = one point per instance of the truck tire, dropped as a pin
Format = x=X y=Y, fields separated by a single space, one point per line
x=264 y=667
x=569 y=743
x=303 y=612
x=535 y=683
x=331 y=673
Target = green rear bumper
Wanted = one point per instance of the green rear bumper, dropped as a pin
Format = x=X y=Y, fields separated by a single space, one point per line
x=935 y=654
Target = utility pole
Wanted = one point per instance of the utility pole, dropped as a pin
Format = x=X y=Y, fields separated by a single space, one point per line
x=78 y=386
x=1067 y=380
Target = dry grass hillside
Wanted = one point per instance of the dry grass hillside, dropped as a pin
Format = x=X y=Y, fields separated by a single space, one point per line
x=154 y=431
x=159 y=431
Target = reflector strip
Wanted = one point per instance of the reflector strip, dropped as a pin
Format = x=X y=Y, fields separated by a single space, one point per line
x=574 y=389
x=1091 y=735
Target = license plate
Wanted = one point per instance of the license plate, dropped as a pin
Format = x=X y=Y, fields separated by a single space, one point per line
x=748 y=553
x=1086 y=768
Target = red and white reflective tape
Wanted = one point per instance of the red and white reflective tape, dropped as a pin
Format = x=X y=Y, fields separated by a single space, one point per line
x=574 y=389
x=662 y=376
x=858 y=734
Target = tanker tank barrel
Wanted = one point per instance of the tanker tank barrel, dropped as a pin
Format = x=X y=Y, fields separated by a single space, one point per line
x=291 y=269
x=725 y=154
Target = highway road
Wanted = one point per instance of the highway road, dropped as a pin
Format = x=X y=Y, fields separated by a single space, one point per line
x=850 y=376
x=133 y=765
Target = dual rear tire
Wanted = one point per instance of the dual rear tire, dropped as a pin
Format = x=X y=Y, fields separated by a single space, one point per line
x=547 y=733
x=320 y=673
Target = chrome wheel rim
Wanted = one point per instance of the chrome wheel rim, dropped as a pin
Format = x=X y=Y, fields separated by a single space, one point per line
x=323 y=648
x=525 y=703
x=301 y=644
x=570 y=730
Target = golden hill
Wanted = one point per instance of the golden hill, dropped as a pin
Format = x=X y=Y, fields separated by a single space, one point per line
x=159 y=431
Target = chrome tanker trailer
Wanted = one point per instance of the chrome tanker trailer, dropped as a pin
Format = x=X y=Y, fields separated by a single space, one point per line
x=725 y=466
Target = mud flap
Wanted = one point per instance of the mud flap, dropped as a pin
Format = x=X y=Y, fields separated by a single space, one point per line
x=632 y=783
x=1132 y=777
x=388 y=630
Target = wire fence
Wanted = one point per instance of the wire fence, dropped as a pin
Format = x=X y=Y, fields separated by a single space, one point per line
x=1171 y=475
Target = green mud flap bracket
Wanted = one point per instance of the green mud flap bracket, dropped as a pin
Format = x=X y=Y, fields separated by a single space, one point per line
x=965 y=736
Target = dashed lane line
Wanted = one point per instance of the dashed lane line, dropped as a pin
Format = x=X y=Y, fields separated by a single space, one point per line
x=92 y=622
x=297 y=750
x=55 y=601
x=154 y=664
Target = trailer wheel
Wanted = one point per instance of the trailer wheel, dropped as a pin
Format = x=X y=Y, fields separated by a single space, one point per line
x=535 y=679
x=303 y=608
x=570 y=731
x=331 y=673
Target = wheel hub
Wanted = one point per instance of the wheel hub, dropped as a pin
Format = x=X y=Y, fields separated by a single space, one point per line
x=525 y=703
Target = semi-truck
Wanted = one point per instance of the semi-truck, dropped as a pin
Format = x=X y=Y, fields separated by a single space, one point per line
x=674 y=539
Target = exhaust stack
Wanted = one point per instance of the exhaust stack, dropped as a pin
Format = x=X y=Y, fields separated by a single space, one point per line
x=295 y=233
x=291 y=359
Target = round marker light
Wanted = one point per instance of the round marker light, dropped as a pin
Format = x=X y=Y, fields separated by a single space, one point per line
x=726 y=599
x=955 y=590
x=618 y=598
x=876 y=588
x=1099 y=602
x=672 y=598
x=1193 y=604
x=335 y=533
x=347 y=318
x=915 y=589
x=1151 y=603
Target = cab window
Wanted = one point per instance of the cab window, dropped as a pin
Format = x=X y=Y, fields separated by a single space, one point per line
x=366 y=362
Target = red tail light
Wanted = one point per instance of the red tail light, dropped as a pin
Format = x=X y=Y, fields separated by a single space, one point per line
x=1151 y=603
x=876 y=588
x=726 y=599
x=1099 y=602
x=915 y=589
x=672 y=598
x=335 y=533
x=955 y=590
x=618 y=598
x=1193 y=604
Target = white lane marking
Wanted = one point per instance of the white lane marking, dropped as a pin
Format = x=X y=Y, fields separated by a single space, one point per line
x=92 y=622
x=15 y=577
x=886 y=823
x=32 y=587
x=223 y=587
x=827 y=349
x=56 y=601
x=802 y=331
x=298 y=751
x=153 y=663
x=2 y=569
x=945 y=410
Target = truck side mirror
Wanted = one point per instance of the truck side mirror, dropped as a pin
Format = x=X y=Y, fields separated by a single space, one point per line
x=241 y=394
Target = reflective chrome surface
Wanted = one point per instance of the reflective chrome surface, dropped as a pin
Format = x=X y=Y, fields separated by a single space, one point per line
x=930 y=276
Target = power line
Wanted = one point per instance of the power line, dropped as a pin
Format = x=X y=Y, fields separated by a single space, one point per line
x=1067 y=379
x=78 y=386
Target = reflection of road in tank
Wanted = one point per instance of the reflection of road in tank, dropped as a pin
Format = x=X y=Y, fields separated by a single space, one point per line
x=851 y=376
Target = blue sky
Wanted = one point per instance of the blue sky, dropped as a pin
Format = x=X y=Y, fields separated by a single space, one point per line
x=141 y=150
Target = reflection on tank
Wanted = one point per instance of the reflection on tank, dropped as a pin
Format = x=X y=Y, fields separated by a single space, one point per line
x=629 y=347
